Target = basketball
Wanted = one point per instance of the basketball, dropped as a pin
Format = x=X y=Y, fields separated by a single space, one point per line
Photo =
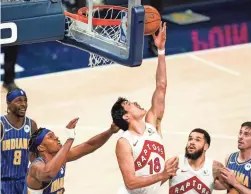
x=233 y=191
x=152 y=20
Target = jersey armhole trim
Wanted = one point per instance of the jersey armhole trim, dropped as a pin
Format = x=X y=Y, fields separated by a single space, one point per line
x=1 y=123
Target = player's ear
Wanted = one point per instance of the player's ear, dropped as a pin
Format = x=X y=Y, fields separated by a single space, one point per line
x=126 y=117
x=206 y=147
x=41 y=148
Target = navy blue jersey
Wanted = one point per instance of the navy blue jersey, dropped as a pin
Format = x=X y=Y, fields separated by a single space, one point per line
x=242 y=170
x=55 y=186
x=14 y=149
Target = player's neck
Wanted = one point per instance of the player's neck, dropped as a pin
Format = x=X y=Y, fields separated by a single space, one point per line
x=197 y=164
x=14 y=120
x=244 y=155
x=47 y=157
x=137 y=127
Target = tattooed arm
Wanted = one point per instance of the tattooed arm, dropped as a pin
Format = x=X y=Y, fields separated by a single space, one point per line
x=219 y=184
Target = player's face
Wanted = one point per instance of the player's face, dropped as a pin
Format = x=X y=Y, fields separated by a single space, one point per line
x=244 y=139
x=18 y=106
x=195 y=145
x=51 y=143
x=134 y=110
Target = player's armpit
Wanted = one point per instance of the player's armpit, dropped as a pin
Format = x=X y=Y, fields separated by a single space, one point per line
x=126 y=165
x=39 y=171
x=33 y=126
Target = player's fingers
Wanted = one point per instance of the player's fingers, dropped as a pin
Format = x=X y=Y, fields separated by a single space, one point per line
x=171 y=160
x=224 y=177
x=154 y=36
x=160 y=26
x=164 y=28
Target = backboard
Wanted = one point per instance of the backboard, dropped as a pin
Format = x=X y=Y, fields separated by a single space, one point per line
x=33 y=21
x=101 y=30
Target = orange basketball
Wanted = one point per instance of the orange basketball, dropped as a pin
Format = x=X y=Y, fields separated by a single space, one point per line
x=233 y=191
x=152 y=20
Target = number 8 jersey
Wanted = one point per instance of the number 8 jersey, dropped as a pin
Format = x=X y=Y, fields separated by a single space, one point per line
x=14 y=149
x=149 y=157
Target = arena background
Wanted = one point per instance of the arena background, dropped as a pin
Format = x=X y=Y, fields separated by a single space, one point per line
x=229 y=24
x=209 y=89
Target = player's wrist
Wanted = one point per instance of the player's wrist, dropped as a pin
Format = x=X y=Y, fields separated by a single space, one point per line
x=236 y=184
x=70 y=133
x=161 y=176
x=161 y=52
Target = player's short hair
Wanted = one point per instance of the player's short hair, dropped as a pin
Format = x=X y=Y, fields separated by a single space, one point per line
x=117 y=113
x=246 y=124
x=205 y=133
x=31 y=145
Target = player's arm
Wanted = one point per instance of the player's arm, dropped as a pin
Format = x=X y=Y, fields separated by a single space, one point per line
x=219 y=184
x=46 y=172
x=126 y=165
x=230 y=179
x=156 y=112
x=92 y=144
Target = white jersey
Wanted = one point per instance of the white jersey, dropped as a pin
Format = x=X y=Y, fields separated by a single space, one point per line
x=191 y=181
x=149 y=158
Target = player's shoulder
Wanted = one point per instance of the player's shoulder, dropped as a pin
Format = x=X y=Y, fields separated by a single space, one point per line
x=38 y=162
x=229 y=156
x=123 y=144
x=2 y=118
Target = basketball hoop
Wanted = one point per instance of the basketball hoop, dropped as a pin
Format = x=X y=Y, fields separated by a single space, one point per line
x=106 y=22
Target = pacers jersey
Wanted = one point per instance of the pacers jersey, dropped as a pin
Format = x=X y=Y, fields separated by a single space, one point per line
x=242 y=170
x=191 y=181
x=149 y=157
x=14 y=149
x=55 y=186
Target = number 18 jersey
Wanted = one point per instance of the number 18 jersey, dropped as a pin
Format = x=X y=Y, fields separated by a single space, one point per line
x=149 y=157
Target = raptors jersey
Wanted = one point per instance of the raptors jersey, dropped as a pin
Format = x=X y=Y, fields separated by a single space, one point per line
x=149 y=157
x=14 y=149
x=191 y=181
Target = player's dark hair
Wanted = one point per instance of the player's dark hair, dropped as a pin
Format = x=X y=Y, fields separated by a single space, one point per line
x=117 y=113
x=205 y=133
x=31 y=145
x=246 y=124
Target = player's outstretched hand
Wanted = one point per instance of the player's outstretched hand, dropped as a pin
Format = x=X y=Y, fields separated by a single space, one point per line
x=114 y=128
x=72 y=123
x=171 y=166
x=71 y=128
x=160 y=39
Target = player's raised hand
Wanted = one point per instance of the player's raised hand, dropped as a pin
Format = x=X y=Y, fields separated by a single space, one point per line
x=114 y=128
x=71 y=128
x=72 y=123
x=171 y=166
x=160 y=39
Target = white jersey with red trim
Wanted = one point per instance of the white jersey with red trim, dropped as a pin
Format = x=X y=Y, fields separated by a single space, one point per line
x=191 y=181
x=149 y=157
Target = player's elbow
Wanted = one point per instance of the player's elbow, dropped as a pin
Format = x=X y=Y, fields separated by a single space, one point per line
x=131 y=184
x=162 y=84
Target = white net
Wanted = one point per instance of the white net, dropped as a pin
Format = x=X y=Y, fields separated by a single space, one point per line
x=112 y=34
